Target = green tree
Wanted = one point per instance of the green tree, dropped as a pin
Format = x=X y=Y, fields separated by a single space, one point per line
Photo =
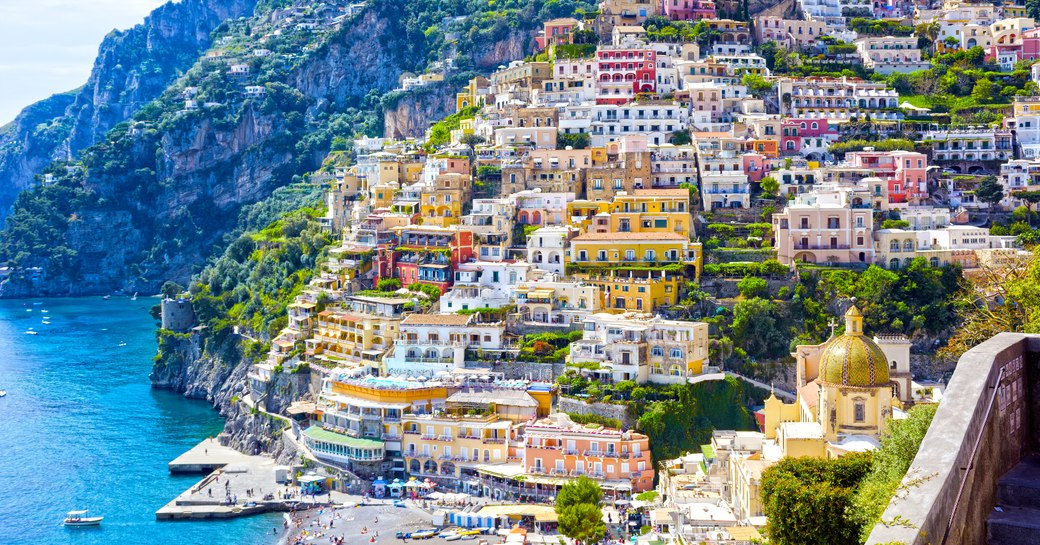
x=577 y=508
x=388 y=284
x=983 y=90
x=989 y=191
x=808 y=501
x=757 y=85
x=759 y=329
x=752 y=286
x=769 y=186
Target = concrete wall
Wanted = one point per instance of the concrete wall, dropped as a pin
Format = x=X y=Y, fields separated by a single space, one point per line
x=981 y=406
x=607 y=410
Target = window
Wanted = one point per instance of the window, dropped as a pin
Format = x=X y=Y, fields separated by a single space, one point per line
x=860 y=411
x=676 y=353
x=657 y=351
x=630 y=255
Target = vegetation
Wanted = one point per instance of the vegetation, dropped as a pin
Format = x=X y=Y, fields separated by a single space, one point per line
x=899 y=446
x=577 y=507
x=809 y=501
x=253 y=282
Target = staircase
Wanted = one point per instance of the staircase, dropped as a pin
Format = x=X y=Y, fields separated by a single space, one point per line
x=1016 y=519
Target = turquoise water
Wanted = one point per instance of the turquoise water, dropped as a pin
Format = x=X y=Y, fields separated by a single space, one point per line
x=80 y=428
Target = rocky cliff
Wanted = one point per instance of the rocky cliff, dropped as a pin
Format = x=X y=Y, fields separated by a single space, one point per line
x=415 y=111
x=160 y=193
x=202 y=367
x=132 y=68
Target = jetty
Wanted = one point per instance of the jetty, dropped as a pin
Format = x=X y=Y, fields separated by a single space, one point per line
x=235 y=485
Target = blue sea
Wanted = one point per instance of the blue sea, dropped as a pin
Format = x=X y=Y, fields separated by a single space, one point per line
x=81 y=428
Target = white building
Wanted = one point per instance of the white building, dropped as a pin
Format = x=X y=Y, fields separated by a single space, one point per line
x=484 y=284
x=431 y=343
x=547 y=246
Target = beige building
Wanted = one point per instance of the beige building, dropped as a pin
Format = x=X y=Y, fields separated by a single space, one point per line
x=831 y=225
x=790 y=33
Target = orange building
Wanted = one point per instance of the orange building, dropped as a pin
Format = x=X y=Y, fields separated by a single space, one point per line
x=555 y=447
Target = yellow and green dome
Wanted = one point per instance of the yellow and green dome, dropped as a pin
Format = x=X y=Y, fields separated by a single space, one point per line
x=854 y=359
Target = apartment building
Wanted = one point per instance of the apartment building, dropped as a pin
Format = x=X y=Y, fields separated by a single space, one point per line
x=430 y=343
x=356 y=332
x=624 y=72
x=836 y=98
x=672 y=166
x=619 y=460
x=905 y=171
x=642 y=348
x=484 y=284
x=971 y=144
x=790 y=33
x=551 y=302
x=829 y=225
x=491 y=222
x=546 y=248
x=891 y=54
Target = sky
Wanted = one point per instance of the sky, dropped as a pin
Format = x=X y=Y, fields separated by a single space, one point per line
x=48 y=46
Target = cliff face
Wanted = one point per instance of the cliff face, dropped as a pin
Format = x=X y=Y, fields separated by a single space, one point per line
x=203 y=368
x=415 y=111
x=132 y=68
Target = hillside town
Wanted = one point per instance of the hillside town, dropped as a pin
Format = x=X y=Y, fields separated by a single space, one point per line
x=559 y=221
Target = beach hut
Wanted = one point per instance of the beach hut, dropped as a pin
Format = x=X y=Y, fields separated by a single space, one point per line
x=396 y=488
x=379 y=488
x=311 y=484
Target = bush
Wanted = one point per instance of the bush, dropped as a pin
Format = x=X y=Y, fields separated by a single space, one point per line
x=388 y=284
x=752 y=286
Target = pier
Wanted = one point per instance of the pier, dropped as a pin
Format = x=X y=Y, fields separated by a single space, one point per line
x=206 y=457
x=229 y=473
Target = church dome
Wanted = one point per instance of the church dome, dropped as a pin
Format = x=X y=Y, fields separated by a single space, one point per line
x=854 y=359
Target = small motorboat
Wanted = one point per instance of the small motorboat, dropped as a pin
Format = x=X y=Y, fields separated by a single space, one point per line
x=44 y=311
x=107 y=297
x=80 y=518
x=3 y=393
x=32 y=331
x=122 y=343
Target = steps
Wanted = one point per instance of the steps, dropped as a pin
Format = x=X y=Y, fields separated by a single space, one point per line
x=1017 y=522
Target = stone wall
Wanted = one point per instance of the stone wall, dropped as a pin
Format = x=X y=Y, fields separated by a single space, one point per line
x=606 y=410
x=985 y=425
x=522 y=369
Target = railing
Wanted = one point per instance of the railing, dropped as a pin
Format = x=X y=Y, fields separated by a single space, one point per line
x=994 y=391
x=822 y=247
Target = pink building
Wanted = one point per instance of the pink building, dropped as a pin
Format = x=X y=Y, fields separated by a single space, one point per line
x=633 y=69
x=754 y=165
x=905 y=171
x=805 y=136
x=620 y=460
x=1030 y=44
x=556 y=32
x=689 y=10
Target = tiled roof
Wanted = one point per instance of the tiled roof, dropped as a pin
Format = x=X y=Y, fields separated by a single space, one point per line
x=436 y=319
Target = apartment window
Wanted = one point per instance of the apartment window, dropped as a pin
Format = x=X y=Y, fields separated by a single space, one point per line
x=619 y=183
x=657 y=351
x=676 y=353
x=630 y=255
x=651 y=255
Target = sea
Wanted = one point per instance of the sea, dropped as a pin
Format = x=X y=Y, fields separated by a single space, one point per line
x=81 y=428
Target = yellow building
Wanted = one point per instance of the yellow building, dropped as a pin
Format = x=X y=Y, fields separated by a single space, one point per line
x=844 y=401
x=639 y=290
x=472 y=94
x=441 y=203
x=357 y=333
x=651 y=211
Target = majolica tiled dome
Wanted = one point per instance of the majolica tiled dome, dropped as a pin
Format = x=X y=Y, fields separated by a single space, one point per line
x=853 y=359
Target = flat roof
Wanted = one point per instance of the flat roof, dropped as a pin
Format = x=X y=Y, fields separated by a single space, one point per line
x=630 y=236
x=318 y=434
x=437 y=319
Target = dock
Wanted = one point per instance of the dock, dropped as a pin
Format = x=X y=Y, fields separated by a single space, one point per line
x=229 y=475
x=206 y=457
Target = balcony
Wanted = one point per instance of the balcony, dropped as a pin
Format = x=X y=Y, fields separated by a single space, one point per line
x=822 y=247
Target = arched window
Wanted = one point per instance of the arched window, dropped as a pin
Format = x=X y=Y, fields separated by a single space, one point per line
x=894 y=246
x=934 y=261
x=676 y=353
x=859 y=410
x=657 y=351
x=893 y=264
x=908 y=245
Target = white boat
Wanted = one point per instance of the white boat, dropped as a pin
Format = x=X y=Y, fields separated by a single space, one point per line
x=45 y=311
x=32 y=332
x=107 y=297
x=3 y=393
x=123 y=343
x=80 y=518
x=134 y=298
